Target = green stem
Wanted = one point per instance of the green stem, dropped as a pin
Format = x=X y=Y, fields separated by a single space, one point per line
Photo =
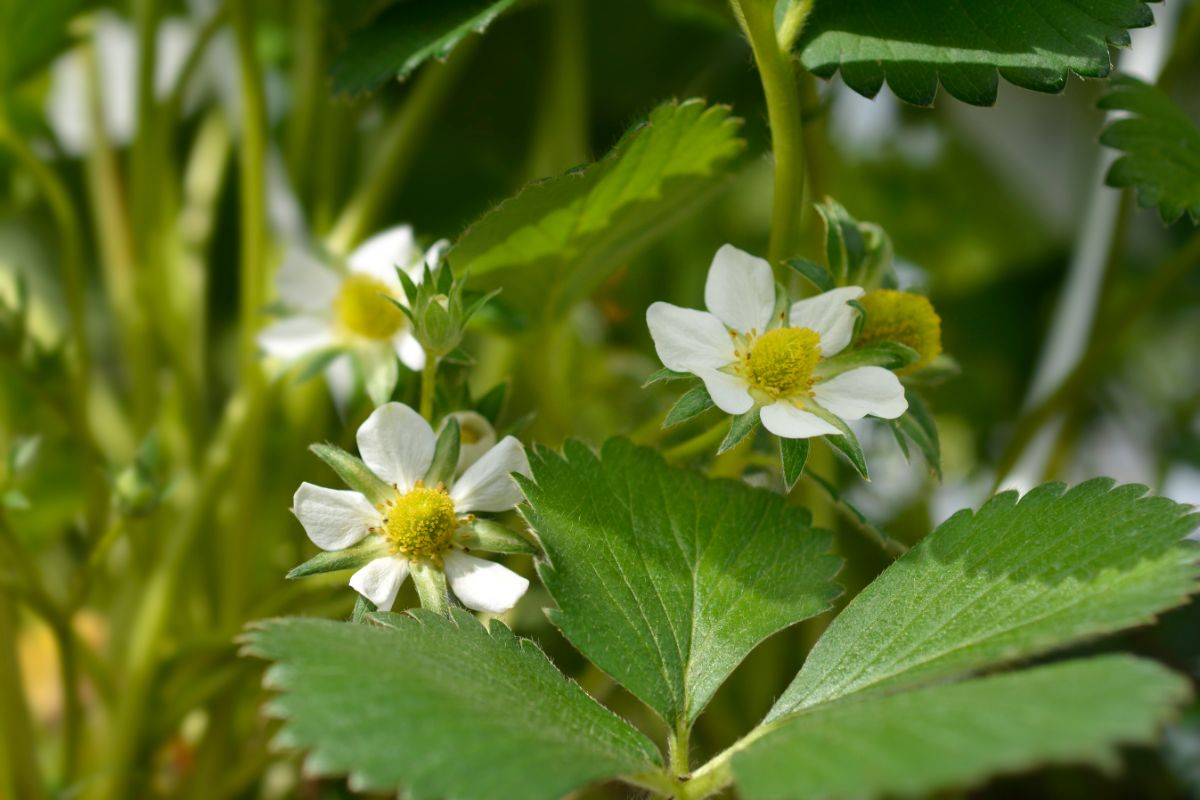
x=399 y=148
x=699 y=443
x=678 y=750
x=560 y=139
x=778 y=74
x=428 y=387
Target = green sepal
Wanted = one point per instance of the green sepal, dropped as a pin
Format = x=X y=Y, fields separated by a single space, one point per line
x=846 y=443
x=919 y=425
x=410 y=290
x=314 y=364
x=354 y=473
x=430 y=583
x=859 y=319
x=812 y=272
x=692 y=403
x=445 y=454
x=403 y=308
x=666 y=374
x=937 y=371
x=359 y=555
x=889 y=355
x=490 y=536
x=845 y=248
x=364 y=610
x=743 y=425
x=793 y=455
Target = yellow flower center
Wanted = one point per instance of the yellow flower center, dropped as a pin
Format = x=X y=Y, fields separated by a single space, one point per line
x=362 y=308
x=420 y=523
x=780 y=362
x=902 y=317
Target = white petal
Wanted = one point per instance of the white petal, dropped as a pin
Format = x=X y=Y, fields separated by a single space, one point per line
x=396 y=443
x=487 y=484
x=304 y=281
x=380 y=581
x=729 y=392
x=411 y=354
x=740 y=290
x=295 y=337
x=687 y=340
x=829 y=315
x=862 y=391
x=333 y=518
x=483 y=585
x=382 y=253
x=785 y=420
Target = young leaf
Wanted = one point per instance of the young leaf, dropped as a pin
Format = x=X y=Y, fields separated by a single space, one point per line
x=951 y=736
x=793 y=454
x=1161 y=147
x=571 y=231
x=426 y=704
x=963 y=45
x=692 y=403
x=353 y=472
x=404 y=36
x=1013 y=580
x=664 y=578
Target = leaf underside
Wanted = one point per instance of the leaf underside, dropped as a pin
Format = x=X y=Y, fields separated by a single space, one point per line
x=664 y=578
x=1008 y=582
x=569 y=232
x=439 y=708
x=952 y=736
x=1160 y=146
x=965 y=46
x=406 y=35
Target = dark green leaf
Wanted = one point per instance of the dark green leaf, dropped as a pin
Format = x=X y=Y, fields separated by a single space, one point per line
x=965 y=45
x=439 y=707
x=915 y=743
x=1161 y=147
x=664 y=578
x=404 y=36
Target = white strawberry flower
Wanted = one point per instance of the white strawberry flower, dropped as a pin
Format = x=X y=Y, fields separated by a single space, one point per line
x=748 y=357
x=420 y=524
x=348 y=310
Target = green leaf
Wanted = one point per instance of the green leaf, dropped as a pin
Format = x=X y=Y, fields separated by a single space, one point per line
x=964 y=45
x=692 y=403
x=570 y=232
x=812 y=272
x=664 y=578
x=793 y=455
x=359 y=555
x=354 y=473
x=1013 y=580
x=32 y=34
x=406 y=35
x=915 y=743
x=1161 y=147
x=439 y=707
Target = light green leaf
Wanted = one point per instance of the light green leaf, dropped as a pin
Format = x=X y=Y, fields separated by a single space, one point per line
x=406 y=35
x=964 y=45
x=1161 y=146
x=1010 y=581
x=566 y=234
x=439 y=708
x=952 y=736
x=664 y=578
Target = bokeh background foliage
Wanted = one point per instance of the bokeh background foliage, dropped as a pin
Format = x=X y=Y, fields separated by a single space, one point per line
x=149 y=460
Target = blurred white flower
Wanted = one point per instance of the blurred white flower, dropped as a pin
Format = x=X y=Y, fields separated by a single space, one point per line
x=747 y=357
x=421 y=524
x=476 y=437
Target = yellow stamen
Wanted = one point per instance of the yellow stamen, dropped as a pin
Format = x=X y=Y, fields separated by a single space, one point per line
x=780 y=362
x=420 y=523
x=902 y=317
x=363 y=309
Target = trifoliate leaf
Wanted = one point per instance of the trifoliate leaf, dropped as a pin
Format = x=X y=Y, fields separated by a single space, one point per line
x=664 y=578
x=952 y=736
x=439 y=707
x=914 y=46
x=1013 y=580
x=566 y=234
x=406 y=35
x=1161 y=146
x=692 y=403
